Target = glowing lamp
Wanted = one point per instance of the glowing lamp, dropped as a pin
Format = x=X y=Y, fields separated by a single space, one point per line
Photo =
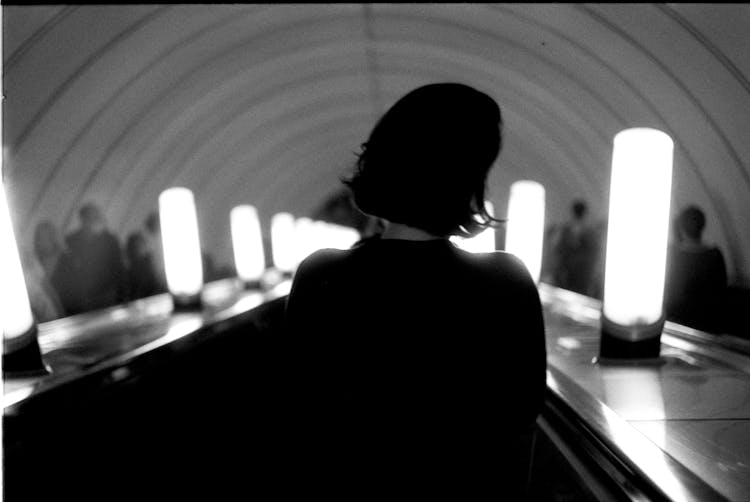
x=525 y=231
x=305 y=235
x=182 y=251
x=638 y=227
x=483 y=242
x=21 y=354
x=339 y=236
x=247 y=241
x=283 y=241
x=312 y=236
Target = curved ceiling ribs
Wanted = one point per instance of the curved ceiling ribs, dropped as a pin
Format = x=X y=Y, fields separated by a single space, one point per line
x=268 y=104
x=724 y=220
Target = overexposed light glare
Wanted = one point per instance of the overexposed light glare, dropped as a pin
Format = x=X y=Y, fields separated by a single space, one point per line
x=338 y=236
x=525 y=230
x=247 y=241
x=634 y=393
x=483 y=242
x=638 y=226
x=305 y=236
x=314 y=235
x=179 y=232
x=14 y=299
x=647 y=455
x=283 y=242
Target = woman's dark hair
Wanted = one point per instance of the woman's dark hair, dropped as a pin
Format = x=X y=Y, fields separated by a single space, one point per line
x=426 y=161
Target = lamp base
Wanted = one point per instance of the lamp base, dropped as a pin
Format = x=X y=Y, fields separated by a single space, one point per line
x=634 y=361
x=251 y=285
x=25 y=359
x=187 y=303
x=271 y=278
x=626 y=342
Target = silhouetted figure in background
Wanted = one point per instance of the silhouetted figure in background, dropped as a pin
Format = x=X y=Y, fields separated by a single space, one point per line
x=57 y=265
x=98 y=263
x=141 y=275
x=575 y=251
x=696 y=278
x=419 y=368
x=43 y=299
x=210 y=270
x=599 y=233
x=153 y=242
x=549 y=260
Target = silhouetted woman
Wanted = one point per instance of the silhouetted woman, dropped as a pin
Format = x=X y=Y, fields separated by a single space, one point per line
x=418 y=366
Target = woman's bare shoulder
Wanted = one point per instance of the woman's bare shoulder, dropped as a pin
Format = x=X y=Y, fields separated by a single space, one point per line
x=322 y=259
x=500 y=260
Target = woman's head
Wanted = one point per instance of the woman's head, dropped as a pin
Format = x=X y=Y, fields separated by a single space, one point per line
x=426 y=161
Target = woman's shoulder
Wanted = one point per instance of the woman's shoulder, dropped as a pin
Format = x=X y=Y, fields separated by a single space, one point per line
x=500 y=265
x=322 y=260
x=498 y=260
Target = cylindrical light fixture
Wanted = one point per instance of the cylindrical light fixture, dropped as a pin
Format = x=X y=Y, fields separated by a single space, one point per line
x=21 y=354
x=183 y=261
x=483 y=242
x=525 y=230
x=306 y=237
x=340 y=236
x=283 y=242
x=640 y=191
x=247 y=241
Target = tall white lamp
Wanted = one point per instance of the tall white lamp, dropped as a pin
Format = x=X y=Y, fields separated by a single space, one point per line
x=640 y=191
x=183 y=261
x=247 y=241
x=525 y=231
x=283 y=243
x=21 y=354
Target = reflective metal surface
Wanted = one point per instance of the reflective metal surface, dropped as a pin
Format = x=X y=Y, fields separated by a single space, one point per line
x=718 y=449
x=103 y=343
x=683 y=422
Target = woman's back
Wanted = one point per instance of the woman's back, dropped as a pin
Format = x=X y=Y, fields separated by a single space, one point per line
x=410 y=361
x=415 y=355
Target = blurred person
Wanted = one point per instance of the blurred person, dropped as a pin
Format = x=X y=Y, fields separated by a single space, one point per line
x=405 y=356
x=97 y=261
x=574 y=251
x=549 y=263
x=696 y=276
x=57 y=265
x=141 y=276
x=599 y=232
x=210 y=270
x=43 y=299
x=152 y=236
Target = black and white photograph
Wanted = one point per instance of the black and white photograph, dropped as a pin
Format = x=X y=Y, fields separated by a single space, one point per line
x=380 y=251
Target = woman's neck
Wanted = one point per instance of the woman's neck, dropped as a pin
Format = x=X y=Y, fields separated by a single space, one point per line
x=407 y=233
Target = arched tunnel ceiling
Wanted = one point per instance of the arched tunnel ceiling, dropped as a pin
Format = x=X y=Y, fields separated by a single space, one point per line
x=267 y=104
